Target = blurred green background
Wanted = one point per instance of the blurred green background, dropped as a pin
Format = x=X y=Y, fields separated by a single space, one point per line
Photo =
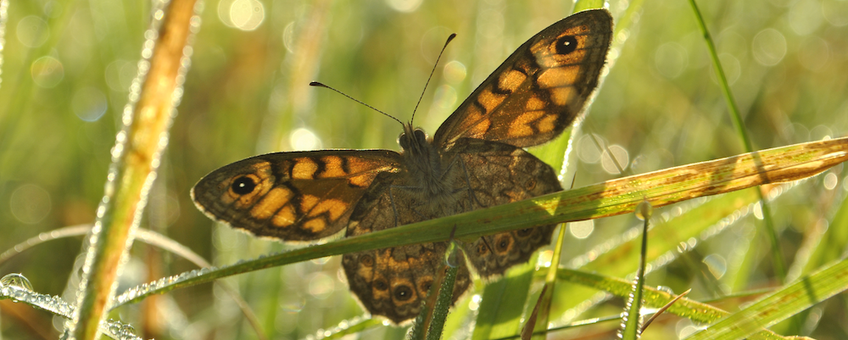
x=68 y=65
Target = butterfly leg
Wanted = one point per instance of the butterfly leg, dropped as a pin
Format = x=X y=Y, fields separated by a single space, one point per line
x=394 y=208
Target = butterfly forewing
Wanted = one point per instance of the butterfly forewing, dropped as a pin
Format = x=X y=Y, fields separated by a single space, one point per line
x=293 y=196
x=540 y=89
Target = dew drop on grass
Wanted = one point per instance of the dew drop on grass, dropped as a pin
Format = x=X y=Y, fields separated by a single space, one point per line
x=117 y=330
x=19 y=289
x=16 y=280
x=666 y=289
x=644 y=210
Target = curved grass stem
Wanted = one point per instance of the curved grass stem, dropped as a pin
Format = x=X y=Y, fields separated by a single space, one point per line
x=777 y=257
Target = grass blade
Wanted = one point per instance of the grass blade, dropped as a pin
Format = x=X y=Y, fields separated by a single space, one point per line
x=780 y=305
x=606 y=199
x=136 y=157
x=779 y=266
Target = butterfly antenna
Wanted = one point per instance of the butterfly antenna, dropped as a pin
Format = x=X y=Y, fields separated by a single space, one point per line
x=317 y=84
x=453 y=35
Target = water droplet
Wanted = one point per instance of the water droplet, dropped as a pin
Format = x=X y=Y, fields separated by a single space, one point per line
x=16 y=280
x=644 y=210
x=128 y=329
x=665 y=289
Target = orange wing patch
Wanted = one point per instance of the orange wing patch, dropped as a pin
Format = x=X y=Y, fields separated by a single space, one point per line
x=547 y=123
x=304 y=168
x=315 y=225
x=332 y=167
x=511 y=80
x=335 y=208
x=285 y=217
x=534 y=104
x=562 y=95
x=558 y=77
x=273 y=201
x=520 y=127
x=489 y=100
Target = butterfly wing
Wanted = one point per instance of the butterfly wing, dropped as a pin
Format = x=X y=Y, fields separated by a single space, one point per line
x=293 y=196
x=540 y=89
x=393 y=282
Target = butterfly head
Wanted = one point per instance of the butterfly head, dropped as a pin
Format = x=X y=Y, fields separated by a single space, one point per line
x=412 y=140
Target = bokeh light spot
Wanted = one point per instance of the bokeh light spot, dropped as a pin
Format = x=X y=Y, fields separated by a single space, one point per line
x=455 y=72
x=835 y=12
x=30 y=203
x=581 y=229
x=89 y=104
x=716 y=264
x=245 y=15
x=304 y=139
x=769 y=47
x=404 y=6
x=671 y=59
x=805 y=17
x=47 y=72
x=622 y=159
x=814 y=53
x=589 y=148
x=32 y=31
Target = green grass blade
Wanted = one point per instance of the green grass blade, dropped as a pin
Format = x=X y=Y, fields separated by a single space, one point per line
x=544 y=302
x=503 y=303
x=829 y=248
x=632 y=314
x=443 y=303
x=606 y=199
x=136 y=157
x=784 y=303
x=582 y=5
x=777 y=258
x=654 y=298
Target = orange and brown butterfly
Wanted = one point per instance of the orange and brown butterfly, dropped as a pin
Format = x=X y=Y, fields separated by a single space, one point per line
x=474 y=160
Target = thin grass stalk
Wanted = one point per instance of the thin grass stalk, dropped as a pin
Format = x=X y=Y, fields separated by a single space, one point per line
x=544 y=302
x=136 y=157
x=632 y=327
x=443 y=303
x=777 y=257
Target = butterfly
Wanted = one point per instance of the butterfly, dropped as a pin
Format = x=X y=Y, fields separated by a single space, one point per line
x=474 y=160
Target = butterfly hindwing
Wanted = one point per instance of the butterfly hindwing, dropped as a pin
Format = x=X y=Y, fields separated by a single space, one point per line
x=499 y=173
x=293 y=196
x=540 y=89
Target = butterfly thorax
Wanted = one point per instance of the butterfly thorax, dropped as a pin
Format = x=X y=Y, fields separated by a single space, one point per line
x=427 y=170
